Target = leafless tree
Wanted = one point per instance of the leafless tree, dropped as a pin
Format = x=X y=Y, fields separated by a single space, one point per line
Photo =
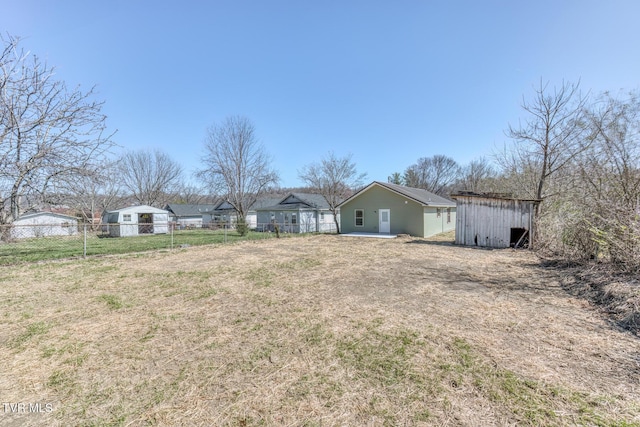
x=554 y=132
x=236 y=164
x=478 y=175
x=150 y=176
x=47 y=132
x=435 y=174
x=92 y=193
x=191 y=194
x=610 y=177
x=336 y=178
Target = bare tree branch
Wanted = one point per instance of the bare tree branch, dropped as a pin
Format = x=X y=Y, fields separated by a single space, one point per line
x=236 y=165
x=47 y=132
x=151 y=177
x=336 y=178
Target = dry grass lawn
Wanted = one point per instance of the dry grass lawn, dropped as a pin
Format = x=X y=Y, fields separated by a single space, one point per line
x=320 y=330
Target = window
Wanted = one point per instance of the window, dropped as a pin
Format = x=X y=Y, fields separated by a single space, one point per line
x=126 y=217
x=272 y=215
x=321 y=216
x=294 y=218
x=359 y=217
x=448 y=215
x=438 y=212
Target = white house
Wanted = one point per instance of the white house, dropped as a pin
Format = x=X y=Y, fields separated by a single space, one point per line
x=135 y=220
x=43 y=224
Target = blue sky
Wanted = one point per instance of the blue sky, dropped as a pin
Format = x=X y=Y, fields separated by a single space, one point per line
x=387 y=82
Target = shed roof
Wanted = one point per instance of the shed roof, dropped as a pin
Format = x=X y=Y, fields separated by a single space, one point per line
x=424 y=197
x=499 y=196
x=140 y=208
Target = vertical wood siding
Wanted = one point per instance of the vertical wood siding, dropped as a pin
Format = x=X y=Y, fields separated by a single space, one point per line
x=487 y=222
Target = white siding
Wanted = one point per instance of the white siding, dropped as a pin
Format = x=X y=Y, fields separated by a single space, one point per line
x=43 y=225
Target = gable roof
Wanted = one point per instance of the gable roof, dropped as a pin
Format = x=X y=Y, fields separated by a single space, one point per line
x=293 y=201
x=179 y=209
x=139 y=208
x=424 y=197
x=51 y=214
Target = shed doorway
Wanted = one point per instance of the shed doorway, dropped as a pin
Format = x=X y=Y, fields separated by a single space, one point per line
x=145 y=223
x=519 y=238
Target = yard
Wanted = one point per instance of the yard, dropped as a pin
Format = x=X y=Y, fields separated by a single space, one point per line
x=318 y=330
x=59 y=247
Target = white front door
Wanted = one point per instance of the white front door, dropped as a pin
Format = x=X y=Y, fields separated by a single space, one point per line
x=384 y=221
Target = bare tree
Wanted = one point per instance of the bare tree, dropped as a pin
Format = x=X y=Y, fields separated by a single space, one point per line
x=92 y=193
x=610 y=177
x=435 y=174
x=478 y=175
x=336 y=178
x=150 y=177
x=554 y=132
x=236 y=164
x=47 y=132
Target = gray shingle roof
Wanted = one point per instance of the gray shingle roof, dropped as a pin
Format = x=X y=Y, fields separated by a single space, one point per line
x=180 y=209
x=419 y=195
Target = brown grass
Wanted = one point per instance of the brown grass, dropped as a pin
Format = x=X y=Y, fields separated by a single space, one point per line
x=324 y=330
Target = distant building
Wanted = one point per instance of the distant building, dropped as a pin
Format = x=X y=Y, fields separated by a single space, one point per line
x=43 y=224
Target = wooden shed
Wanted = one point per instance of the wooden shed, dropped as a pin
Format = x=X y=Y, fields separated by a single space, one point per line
x=493 y=220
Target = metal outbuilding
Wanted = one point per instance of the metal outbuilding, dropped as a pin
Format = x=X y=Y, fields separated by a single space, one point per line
x=494 y=220
x=135 y=221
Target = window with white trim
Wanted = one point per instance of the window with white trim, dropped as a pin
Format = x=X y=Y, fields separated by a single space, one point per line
x=448 y=215
x=294 y=218
x=126 y=217
x=359 y=220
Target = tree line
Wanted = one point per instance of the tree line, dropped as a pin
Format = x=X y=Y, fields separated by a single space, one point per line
x=579 y=154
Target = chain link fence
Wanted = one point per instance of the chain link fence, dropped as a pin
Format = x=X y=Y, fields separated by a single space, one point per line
x=47 y=241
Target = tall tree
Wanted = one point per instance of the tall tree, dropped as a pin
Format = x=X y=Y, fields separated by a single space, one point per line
x=552 y=135
x=150 y=177
x=236 y=164
x=92 y=193
x=478 y=175
x=435 y=174
x=336 y=178
x=47 y=132
x=395 y=178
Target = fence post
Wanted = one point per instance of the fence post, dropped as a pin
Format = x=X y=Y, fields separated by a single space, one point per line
x=84 y=246
x=172 y=228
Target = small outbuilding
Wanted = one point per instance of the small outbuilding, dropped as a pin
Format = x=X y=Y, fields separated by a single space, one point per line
x=43 y=224
x=135 y=221
x=386 y=208
x=494 y=220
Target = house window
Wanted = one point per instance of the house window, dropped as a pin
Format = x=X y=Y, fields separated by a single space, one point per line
x=438 y=212
x=272 y=215
x=359 y=217
x=126 y=217
x=321 y=216
x=286 y=218
x=294 y=218
x=448 y=215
